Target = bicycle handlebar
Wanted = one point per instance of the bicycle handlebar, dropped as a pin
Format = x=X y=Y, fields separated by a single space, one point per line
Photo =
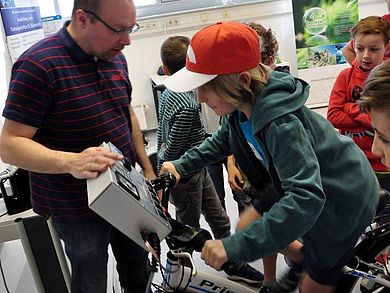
x=182 y=236
x=384 y=200
x=164 y=182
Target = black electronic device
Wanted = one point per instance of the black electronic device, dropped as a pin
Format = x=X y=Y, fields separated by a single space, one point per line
x=15 y=189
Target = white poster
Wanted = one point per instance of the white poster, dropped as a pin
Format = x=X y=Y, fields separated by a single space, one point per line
x=321 y=31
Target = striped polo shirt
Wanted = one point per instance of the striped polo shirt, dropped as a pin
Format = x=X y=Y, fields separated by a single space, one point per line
x=180 y=125
x=75 y=102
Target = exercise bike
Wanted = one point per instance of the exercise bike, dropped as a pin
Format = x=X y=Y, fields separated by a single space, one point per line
x=368 y=270
x=180 y=273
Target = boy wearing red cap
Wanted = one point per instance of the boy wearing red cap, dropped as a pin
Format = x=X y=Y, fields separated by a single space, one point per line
x=180 y=128
x=277 y=141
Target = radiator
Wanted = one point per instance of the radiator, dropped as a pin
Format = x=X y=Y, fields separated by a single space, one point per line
x=139 y=111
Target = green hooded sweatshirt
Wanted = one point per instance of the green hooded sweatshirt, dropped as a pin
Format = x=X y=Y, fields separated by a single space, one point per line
x=328 y=190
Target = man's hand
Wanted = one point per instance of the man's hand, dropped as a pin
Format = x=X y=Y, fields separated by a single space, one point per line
x=91 y=162
x=214 y=254
x=169 y=167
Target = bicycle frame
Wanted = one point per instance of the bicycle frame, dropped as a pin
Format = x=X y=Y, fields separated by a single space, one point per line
x=361 y=274
x=363 y=265
x=181 y=277
x=180 y=273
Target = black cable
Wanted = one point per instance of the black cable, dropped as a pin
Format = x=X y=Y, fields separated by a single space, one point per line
x=189 y=279
x=182 y=275
x=4 y=280
x=154 y=241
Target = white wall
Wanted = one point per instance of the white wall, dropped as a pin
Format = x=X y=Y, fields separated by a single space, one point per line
x=143 y=55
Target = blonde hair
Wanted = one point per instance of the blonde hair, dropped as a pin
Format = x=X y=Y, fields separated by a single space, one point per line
x=376 y=90
x=230 y=87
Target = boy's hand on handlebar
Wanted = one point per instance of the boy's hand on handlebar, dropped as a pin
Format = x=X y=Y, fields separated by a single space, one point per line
x=214 y=254
x=169 y=167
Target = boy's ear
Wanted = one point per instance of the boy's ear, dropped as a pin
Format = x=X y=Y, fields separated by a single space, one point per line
x=165 y=70
x=245 y=77
x=271 y=61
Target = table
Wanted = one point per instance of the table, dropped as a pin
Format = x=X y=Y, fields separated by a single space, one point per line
x=41 y=246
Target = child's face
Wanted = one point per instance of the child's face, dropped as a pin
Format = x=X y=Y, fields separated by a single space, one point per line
x=381 y=147
x=370 y=50
x=219 y=106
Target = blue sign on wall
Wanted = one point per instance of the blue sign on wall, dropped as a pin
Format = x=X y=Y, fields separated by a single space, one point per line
x=19 y=20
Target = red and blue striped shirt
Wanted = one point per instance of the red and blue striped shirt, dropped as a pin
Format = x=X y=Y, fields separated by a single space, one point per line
x=75 y=102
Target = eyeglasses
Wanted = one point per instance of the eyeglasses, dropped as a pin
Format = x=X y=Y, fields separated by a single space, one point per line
x=130 y=30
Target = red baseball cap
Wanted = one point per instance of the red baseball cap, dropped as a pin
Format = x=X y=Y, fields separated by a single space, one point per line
x=222 y=48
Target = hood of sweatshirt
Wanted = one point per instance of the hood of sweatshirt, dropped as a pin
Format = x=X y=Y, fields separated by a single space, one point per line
x=283 y=94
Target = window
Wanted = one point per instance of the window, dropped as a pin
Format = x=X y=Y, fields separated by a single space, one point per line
x=50 y=8
x=172 y=6
x=47 y=8
x=65 y=7
x=145 y=8
x=151 y=8
x=139 y=3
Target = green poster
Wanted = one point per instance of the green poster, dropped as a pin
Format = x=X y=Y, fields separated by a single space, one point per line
x=321 y=29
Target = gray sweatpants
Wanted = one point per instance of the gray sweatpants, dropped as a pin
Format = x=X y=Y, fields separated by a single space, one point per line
x=196 y=195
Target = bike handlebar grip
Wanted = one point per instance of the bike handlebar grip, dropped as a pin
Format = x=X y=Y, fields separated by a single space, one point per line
x=200 y=239
x=169 y=181
x=164 y=182
x=227 y=267
x=165 y=198
x=384 y=199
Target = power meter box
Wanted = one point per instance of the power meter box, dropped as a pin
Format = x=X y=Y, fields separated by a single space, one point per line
x=128 y=201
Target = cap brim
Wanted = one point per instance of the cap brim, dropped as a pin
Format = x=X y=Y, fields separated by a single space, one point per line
x=185 y=80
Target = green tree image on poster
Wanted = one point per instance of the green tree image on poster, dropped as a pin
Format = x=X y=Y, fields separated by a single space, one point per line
x=322 y=27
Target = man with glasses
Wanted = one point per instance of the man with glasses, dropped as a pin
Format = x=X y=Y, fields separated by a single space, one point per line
x=69 y=93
